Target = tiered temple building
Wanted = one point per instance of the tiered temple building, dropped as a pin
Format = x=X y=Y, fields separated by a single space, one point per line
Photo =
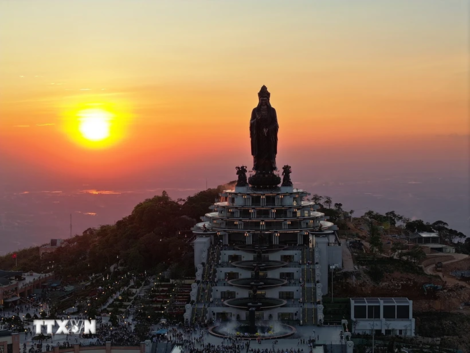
x=264 y=250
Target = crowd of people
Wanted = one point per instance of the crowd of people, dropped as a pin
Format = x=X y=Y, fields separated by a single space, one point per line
x=193 y=339
x=122 y=335
x=208 y=281
x=237 y=347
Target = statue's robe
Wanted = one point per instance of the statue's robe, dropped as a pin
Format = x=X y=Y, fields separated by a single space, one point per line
x=264 y=147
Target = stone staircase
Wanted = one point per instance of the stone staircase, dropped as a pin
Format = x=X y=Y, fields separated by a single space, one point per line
x=309 y=316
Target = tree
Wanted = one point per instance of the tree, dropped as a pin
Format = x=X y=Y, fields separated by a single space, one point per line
x=156 y=214
x=418 y=226
x=92 y=313
x=375 y=240
x=445 y=233
x=332 y=214
x=113 y=318
x=392 y=217
x=339 y=207
x=177 y=271
x=397 y=248
x=380 y=218
x=376 y=273
x=416 y=254
x=198 y=205
x=328 y=201
x=451 y=234
x=317 y=198
x=440 y=224
x=405 y=220
x=351 y=213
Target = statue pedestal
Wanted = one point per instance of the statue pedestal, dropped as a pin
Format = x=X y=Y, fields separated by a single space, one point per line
x=287 y=189
x=241 y=188
x=266 y=180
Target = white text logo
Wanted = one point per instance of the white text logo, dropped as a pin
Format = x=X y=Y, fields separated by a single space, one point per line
x=66 y=327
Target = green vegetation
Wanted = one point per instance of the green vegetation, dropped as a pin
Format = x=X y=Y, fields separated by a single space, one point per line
x=446 y=234
x=441 y=324
x=390 y=217
x=379 y=266
x=113 y=319
x=154 y=237
x=336 y=310
x=463 y=247
x=317 y=199
x=332 y=214
x=14 y=321
x=27 y=260
x=328 y=201
x=375 y=240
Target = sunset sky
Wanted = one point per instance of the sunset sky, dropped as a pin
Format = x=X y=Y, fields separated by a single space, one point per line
x=378 y=84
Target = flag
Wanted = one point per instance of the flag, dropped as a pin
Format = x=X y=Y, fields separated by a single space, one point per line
x=13 y=256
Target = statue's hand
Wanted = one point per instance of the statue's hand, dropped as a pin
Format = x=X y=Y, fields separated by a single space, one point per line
x=265 y=132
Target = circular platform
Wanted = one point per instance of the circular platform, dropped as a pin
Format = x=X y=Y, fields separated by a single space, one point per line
x=266 y=330
x=263 y=265
x=262 y=283
x=263 y=248
x=259 y=303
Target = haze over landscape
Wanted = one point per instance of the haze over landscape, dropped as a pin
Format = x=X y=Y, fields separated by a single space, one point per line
x=107 y=104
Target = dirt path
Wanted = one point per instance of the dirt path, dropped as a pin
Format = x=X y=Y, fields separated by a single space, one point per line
x=348 y=263
x=449 y=279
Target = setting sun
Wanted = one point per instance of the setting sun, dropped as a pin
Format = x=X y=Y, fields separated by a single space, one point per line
x=94 y=124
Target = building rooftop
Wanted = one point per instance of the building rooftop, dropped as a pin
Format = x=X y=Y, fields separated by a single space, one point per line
x=386 y=300
x=425 y=235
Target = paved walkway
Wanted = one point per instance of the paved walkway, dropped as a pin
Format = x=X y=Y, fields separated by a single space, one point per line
x=325 y=335
x=348 y=263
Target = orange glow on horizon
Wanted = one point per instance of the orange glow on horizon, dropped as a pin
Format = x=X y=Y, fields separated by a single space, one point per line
x=174 y=90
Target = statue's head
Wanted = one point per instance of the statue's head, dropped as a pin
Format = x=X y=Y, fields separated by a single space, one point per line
x=264 y=95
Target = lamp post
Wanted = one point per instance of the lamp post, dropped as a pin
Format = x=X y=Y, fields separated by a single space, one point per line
x=373 y=335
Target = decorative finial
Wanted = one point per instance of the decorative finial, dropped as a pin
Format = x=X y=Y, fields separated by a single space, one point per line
x=286 y=173
x=264 y=92
x=241 y=172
